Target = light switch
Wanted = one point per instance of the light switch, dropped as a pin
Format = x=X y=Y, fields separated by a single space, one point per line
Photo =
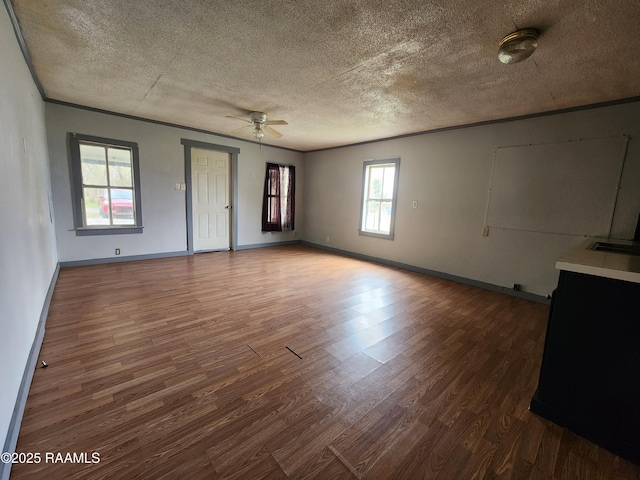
x=176 y=186
x=183 y=186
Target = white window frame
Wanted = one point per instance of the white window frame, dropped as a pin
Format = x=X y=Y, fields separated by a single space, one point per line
x=82 y=229
x=366 y=198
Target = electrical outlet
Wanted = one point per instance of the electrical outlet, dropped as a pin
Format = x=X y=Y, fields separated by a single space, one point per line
x=183 y=186
x=485 y=232
x=327 y=240
x=117 y=251
x=415 y=204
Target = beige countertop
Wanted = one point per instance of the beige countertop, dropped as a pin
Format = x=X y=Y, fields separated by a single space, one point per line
x=619 y=266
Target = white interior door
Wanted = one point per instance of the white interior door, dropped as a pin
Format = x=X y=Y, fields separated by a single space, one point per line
x=210 y=200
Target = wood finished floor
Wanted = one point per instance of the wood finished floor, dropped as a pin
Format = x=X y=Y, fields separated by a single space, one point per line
x=179 y=368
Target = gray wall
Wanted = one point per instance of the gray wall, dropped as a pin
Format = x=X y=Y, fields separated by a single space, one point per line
x=27 y=241
x=449 y=174
x=161 y=166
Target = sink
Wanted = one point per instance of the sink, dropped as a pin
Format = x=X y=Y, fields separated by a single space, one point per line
x=616 y=248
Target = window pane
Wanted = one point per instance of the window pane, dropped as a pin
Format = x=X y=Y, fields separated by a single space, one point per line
x=389 y=173
x=94 y=165
x=96 y=206
x=379 y=194
x=105 y=189
x=375 y=185
x=273 y=174
x=121 y=206
x=273 y=209
x=385 y=217
x=120 y=167
x=373 y=215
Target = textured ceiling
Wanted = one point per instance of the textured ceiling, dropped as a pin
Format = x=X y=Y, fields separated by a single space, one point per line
x=339 y=72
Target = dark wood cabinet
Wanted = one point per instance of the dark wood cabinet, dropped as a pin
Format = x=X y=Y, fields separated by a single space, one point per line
x=590 y=374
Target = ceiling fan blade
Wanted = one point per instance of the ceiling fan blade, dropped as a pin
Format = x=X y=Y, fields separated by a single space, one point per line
x=241 y=128
x=275 y=122
x=240 y=118
x=273 y=132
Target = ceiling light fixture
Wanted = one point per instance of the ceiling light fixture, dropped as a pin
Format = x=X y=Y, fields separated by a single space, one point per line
x=518 y=46
x=258 y=119
x=258 y=132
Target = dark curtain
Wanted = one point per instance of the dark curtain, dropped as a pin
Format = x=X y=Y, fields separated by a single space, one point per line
x=278 y=205
x=271 y=200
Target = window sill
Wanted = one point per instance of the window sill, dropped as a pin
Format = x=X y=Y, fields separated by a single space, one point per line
x=84 y=232
x=384 y=236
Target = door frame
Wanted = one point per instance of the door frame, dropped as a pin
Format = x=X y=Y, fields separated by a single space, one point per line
x=234 y=152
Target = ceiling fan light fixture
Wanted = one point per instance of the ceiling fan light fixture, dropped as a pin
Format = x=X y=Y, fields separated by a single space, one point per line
x=258 y=132
x=518 y=46
x=259 y=123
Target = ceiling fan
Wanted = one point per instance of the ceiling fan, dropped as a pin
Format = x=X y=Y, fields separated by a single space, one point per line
x=260 y=124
